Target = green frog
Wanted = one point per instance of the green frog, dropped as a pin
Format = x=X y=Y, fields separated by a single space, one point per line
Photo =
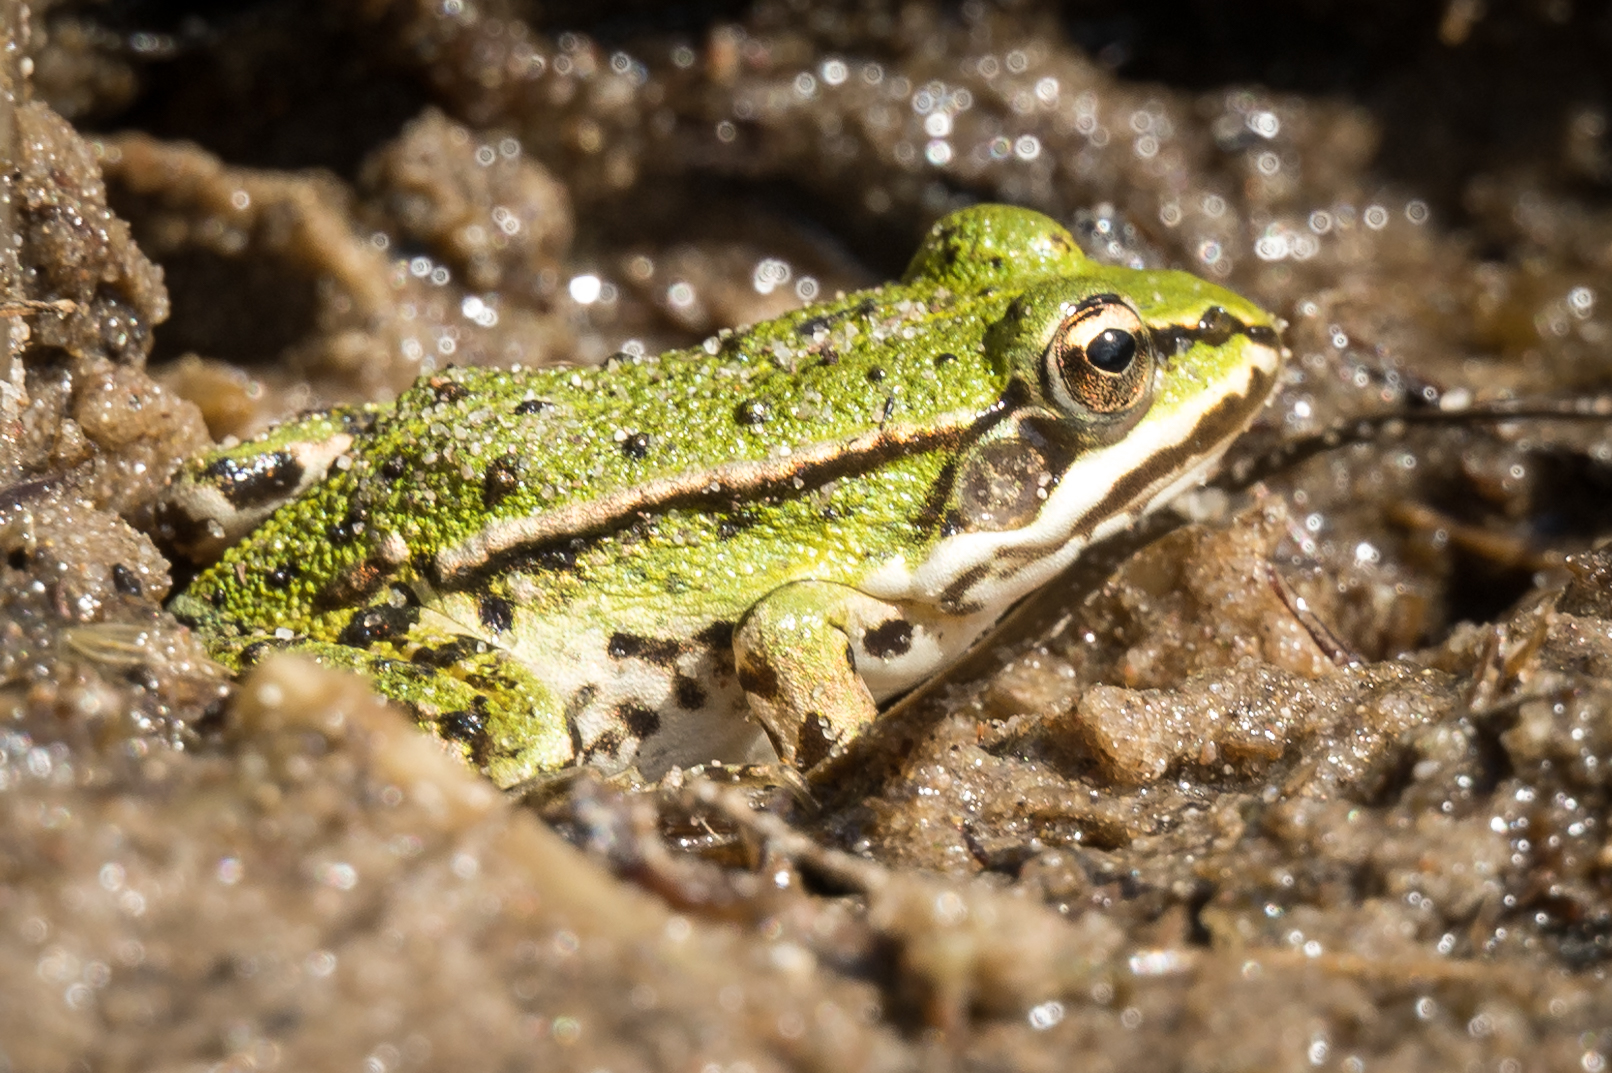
x=733 y=552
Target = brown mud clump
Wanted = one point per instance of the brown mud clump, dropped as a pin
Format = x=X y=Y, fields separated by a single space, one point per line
x=1313 y=772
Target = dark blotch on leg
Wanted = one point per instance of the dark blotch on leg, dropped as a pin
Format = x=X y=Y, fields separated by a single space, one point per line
x=890 y=638
x=814 y=745
x=607 y=745
x=690 y=697
x=384 y=623
x=641 y=721
x=650 y=649
x=468 y=725
x=758 y=678
x=497 y=613
x=464 y=725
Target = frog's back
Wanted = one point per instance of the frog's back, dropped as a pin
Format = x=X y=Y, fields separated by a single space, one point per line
x=590 y=447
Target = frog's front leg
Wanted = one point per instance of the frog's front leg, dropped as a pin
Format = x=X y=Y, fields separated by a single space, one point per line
x=806 y=655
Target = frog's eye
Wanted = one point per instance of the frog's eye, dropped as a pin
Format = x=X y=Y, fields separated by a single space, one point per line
x=1100 y=360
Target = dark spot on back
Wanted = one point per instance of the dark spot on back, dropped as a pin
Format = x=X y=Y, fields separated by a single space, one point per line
x=752 y=412
x=641 y=721
x=17 y=558
x=636 y=445
x=690 y=697
x=735 y=523
x=945 y=357
x=126 y=581
x=890 y=638
x=393 y=468
x=371 y=624
x=875 y=375
x=502 y=478
x=648 y=649
x=497 y=613
x=813 y=325
x=447 y=390
x=255 y=481
x=281 y=576
x=533 y=406
x=355 y=584
x=349 y=528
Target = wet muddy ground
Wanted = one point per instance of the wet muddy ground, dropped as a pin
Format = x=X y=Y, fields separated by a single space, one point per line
x=1313 y=773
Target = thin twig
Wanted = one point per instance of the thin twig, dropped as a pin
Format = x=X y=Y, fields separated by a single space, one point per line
x=23 y=307
x=1375 y=426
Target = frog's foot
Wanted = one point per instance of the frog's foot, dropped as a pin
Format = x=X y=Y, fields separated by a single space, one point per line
x=482 y=703
x=802 y=652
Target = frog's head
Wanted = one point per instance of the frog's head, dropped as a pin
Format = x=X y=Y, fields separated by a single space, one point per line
x=1124 y=387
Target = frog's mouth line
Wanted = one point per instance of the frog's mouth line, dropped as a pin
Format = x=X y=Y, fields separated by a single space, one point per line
x=816 y=464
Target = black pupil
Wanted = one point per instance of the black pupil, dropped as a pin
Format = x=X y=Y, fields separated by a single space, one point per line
x=1112 y=351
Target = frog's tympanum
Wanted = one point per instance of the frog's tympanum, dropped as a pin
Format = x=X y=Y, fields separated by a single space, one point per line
x=733 y=552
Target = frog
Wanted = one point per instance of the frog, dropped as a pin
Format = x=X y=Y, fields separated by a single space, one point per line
x=740 y=551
